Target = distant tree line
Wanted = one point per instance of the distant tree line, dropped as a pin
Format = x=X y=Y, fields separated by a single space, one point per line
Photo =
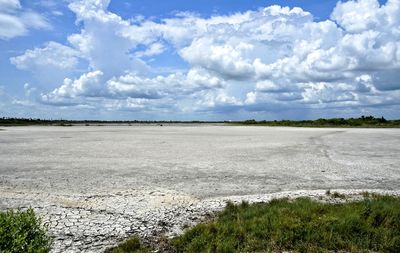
x=10 y=121
x=363 y=121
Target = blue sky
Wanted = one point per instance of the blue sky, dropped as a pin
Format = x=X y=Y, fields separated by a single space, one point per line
x=199 y=60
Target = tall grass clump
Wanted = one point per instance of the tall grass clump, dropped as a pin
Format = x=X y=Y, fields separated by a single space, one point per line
x=22 y=231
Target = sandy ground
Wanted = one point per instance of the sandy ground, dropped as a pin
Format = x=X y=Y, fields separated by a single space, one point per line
x=95 y=185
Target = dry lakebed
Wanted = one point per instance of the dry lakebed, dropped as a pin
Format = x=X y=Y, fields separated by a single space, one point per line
x=96 y=185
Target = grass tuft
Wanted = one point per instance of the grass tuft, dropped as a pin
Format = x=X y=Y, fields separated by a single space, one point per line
x=132 y=245
x=338 y=195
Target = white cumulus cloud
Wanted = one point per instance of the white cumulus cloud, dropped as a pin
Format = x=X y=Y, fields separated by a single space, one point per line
x=52 y=54
x=14 y=21
x=271 y=58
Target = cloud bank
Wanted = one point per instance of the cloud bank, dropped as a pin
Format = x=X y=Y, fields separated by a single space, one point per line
x=268 y=60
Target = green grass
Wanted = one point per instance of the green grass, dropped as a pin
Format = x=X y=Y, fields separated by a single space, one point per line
x=300 y=225
x=132 y=245
x=22 y=231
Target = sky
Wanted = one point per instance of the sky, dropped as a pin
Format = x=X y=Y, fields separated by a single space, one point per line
x=199 y=60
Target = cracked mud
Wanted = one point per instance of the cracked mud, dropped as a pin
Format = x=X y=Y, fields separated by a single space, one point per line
x=96 y=185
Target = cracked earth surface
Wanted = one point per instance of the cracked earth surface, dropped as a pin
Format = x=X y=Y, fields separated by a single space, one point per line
x=96 y=185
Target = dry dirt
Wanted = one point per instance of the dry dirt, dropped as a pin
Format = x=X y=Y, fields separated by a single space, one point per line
x=96 y=185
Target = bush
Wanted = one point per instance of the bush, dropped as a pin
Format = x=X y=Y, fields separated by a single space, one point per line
x=22 y=231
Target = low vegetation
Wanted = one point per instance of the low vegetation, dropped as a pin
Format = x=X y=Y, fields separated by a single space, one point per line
x=22 y=231
x=6 y=121
x=363 y=121
x=300 y=225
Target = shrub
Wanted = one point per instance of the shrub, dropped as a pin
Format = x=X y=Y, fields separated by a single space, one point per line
x=22 y=231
